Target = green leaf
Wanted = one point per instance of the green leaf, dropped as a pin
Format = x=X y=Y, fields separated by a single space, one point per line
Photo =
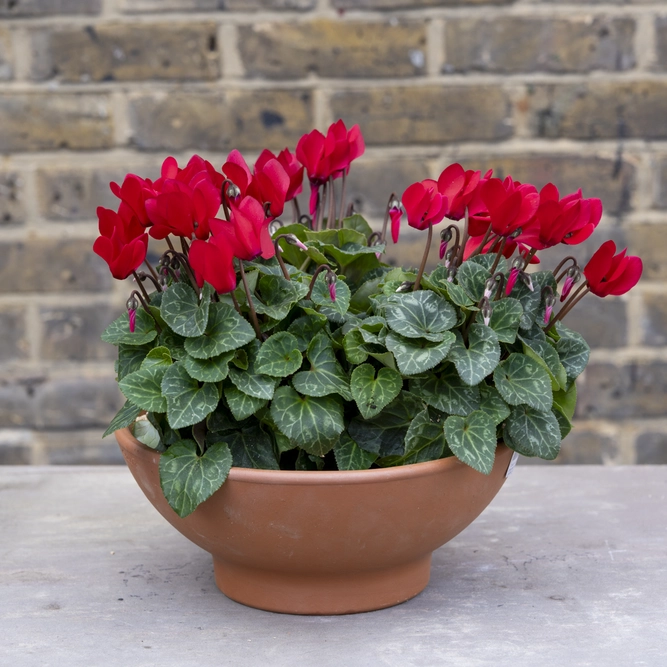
x=130 y=358
x=447 y=392
x=118 y=332
x=493 y=405
x=187 y=402
x=373 y=394
x=143 y=388
x=349 y=456
x=473 y=440
x=305 y=328
x=241 y=405
x=385 y=434
x=147 y=434
x=226 y=330
x=187 y=479
x=573 y=351
x=533 y=433
x=481 y=356
x=522 y=380
x=358 y=224
x=415 y=356
x=355 y=347
x=458 y=295
x=506 y=318
x=182 y=311
x=124 y=417
x=422 y=314
x=208 y=370
x=472 y=276
x=566 y=401
x=251 y=447
x=251 y=382
x=488 y=260
x=326 y=376
x=174 y=343
x=321 y=296
x=278 y=296
x=424 y=441
x=531 y=301
x=279 y=355
x=158 y=356
x=313 y=423
x=545 y=354
x=564 y=424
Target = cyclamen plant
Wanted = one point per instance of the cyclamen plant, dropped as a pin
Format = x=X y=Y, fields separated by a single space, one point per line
x=257 y=343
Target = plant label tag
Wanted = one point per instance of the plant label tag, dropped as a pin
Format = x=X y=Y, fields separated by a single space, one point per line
x=510 y=467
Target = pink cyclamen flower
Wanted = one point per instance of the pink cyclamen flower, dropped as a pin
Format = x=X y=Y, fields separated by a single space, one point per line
x=395 y=213
x=511 y=280
x=132 y=314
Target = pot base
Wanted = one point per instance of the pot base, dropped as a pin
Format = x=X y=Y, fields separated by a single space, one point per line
x=322 y=594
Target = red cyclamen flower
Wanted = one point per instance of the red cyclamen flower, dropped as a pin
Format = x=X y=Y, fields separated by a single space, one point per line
x=458 y=187
x=122 y=243
x=423 y=204
x=607 y=273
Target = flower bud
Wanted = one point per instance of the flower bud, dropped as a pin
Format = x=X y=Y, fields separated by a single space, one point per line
x=405 y=286
x=486 y=310
x=331 y=282
x=132 y=306
x=525 y=277
x=293 y=240
x=549 y=303
x=511 y=280
x=233 y=191
x=572 y=276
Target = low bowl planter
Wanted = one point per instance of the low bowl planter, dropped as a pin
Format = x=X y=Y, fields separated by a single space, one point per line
x=323 y=542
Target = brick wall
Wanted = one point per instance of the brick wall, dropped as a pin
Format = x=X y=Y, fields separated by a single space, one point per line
x=545 y=90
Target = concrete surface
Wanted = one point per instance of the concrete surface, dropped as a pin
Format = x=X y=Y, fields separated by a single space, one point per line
x=568 y=566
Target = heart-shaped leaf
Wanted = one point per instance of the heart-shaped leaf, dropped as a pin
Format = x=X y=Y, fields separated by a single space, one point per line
x=313 y=423
x=492 y=404
x=241 y=405
x=472 y=277
x=158 y=356
x=251 y=447
x=130 y=358
x=447 y=392
x=488 y=260
x=480 y=358
x=458 y=295
x=187 y=402
x=143 y=388
x=226 y=330
x=187 y=479
x=279 y=355
x=522 y=380
x=147 y=434
x=373 y=394
x=422 y=314
x=326 y=376
x=124 y=417
x=424 y=441
x=473 y=440
x=573 y=351
x=566 y=401
x=505 y=319
x=533 y=433
x=355 y=347
x=349 y=456
x=415 y=355
x=322 y=297
x=118 y=332
x=305 y=328
x=208 y=370
x=182 y=310
x=278 y=296
x=545 y=355
x=531 y=301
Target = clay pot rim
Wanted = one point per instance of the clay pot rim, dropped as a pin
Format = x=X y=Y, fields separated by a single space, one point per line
x=319 y=477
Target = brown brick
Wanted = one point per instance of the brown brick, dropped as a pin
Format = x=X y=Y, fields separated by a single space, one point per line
x=515 y=44
x=132 y=6
x=597 y=110
x=6 y=56
x=71 y=194
x=236 y=119
x=602 y=322
x=632 y=390
x=40 y=265
x=648 y=242
x=12 y=8
x=17 y=395
x=332 y=49
x=426 y=115
x=411 y=4
x=587 y=446
x=73 y=334
x=45 y=121
x=12 y=199
x=121 y=52
x=372 y=180
x=651 y=448
x=13 y=334
x=82 y=447
x=654 y=321
x=661 y=41
x=660 y=171
x=15 y=447
x=610 y=180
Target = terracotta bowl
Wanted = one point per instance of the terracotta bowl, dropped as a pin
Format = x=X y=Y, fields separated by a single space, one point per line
x=326 y=542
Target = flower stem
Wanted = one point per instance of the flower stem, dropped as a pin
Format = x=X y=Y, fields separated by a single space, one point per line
x=569 y=258
x=279 y=257
x=331 y=217
x=424 y=258
x=251 y=306
x=141 y=287
x=296 y=209
x=320 y=209
x=485 y=240
x=342 y=199
x=152 y=270
x=320 y=268
x=235 y=302
x=498 y=255
x=143 y=275
x=464 y=239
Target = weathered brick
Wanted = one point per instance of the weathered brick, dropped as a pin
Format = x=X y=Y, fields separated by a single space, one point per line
x=597 y=110
x=425 y=115
x=84 y=447
x=216 y=5
x=660 y=183
x=648 y=242
x=41 y=265
x=121 y=52
x=12 y=199
x=17 y=395
x=587 y=446
x=333 y=49
x=654 y=320
x=651 y=448
x=516 y=44
x=632 y=390
x=6 y=56
x=602 y=322
x=16 y=447
x=661 y=41
x=15 y=8
x=13 y=334
x=217 y=121
x=72 y=194
x=372 y=180
x=411 y=4
x=612 y=181
x=46 y=121
x=73 y=333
